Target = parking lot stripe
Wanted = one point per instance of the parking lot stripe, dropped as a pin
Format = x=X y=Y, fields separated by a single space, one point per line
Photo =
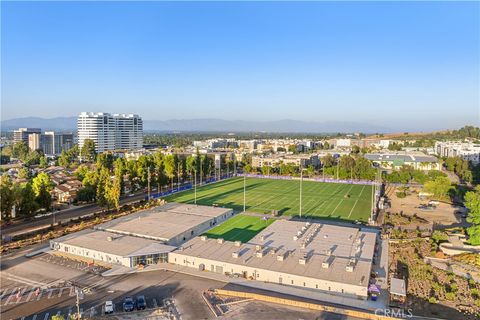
x=30 y=295
x=10 y=297
x=40 y=295
x=60 y=292
x=3 y=294
x=50 y=294
x=22 y=291
x=92 y=312
x=46 y=316
x=72 y=291
x=155 y=305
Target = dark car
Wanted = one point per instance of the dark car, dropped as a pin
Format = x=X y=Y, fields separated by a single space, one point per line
x=128 y=304
x=141 y=303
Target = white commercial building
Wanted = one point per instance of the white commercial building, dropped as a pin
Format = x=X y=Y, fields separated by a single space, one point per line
x=144 y=237
x=466 y=150
x=110 y=132
x=316 y=256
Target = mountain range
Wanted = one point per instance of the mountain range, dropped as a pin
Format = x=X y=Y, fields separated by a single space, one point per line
x=207 y=125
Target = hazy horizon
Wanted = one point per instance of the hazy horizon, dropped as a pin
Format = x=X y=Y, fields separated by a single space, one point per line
x=390 y=64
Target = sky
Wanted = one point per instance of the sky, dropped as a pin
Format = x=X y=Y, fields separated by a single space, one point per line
x=404 y=65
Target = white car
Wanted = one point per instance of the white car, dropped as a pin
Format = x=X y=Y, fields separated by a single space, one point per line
x=108 y=307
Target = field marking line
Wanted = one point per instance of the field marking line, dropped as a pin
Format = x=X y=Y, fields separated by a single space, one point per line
x=341 y=200
x=352 y=209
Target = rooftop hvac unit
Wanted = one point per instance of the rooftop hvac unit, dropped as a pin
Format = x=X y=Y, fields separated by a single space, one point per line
x=325 y=236
x=235 y=254
x=325 y=264
x=259 y=254
x=203 y=238
x=349 y=268
x=273 y=251
x=258 y=247
x=328 y=252
x=304 y=245
x=220 y=240
x=280 y=257
x=109 y=238
x=304 y=228
x=307 y=224
x=262 y=238
x=302 y=261
x=295 y=238
x=238 y=243
x=358 y=241
x=299 y=233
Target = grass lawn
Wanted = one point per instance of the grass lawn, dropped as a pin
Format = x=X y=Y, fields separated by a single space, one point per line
x=319 y=200
x=241 y=227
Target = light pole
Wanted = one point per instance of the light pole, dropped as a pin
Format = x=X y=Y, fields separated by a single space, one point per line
x=301 y=182
x=244 y=191
x=195 y=186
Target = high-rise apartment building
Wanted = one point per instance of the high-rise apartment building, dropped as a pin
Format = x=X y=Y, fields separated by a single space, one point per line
x=110 y=132
x=22 y=134
x=34 y=141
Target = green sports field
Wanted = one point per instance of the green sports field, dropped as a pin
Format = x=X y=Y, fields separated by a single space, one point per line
x=241 y=227
x=319 y=200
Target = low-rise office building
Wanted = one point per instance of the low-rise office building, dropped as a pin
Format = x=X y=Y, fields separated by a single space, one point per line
x=300 y=160
x=317 y=256
x=396 y=160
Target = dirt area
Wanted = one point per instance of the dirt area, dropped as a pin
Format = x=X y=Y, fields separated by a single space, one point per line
x=443 y=215
x=431 y=291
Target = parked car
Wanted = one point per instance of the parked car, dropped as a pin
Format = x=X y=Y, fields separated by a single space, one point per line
x=141 y=304
x=128 y=304
x=108 y=307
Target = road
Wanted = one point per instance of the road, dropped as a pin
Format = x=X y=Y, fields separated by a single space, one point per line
x=62 y=216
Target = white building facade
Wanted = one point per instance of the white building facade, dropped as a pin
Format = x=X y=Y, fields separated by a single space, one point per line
x=110 y=132
x=466 y=150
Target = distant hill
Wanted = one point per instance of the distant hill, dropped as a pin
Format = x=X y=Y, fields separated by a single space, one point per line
x=210 y=125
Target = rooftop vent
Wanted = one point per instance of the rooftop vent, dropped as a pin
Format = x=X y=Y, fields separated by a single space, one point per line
x=203 y=238
x=302 y=261
x=349 y=268
x=307 y=224
x=299 y=233
x=220 y=240
x=325 y=236
x=358 y=241
x=238 y=243
x=280 y=257
x=262 y=238
x=109 y=238
x=295 y=238
x=328 y=252
x=258 y=247
x=325 y=265
x=259 y=254
x=235 y=254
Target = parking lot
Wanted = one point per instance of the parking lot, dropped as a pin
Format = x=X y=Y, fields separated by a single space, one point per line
x=73 y=264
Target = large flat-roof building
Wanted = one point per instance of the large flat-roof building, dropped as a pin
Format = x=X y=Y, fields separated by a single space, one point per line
x=172 y=223
x=393 y=160
x=312 y=255
x=112 y=248
x=144 y=237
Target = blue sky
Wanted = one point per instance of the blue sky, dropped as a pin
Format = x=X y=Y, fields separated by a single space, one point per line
x=411 y=64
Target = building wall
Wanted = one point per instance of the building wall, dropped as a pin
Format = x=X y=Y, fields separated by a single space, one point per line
x=34 y=141
x=178 y=258
x=90 y=254
x=198 y=230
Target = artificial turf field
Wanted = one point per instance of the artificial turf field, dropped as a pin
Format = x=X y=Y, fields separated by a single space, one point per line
x=239 y=228
x=319 y=199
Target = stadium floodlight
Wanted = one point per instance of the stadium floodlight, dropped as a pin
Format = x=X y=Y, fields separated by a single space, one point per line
x=195 y=186
x=244 y=190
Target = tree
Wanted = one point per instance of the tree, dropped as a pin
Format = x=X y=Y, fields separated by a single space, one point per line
x=24 y=173
x=266 y=170
x=20 y=150
x=119 y=170
x=105 y=160
x=355 y=150
x=440 y=187
x=43 y=162
x=170 y=167
x=472 y=202
x=328 y=161
x=25 y=200
x=64 y=159
x=112 y=193
x=42 y=185
x=102 y=182
x=7 y=196
x=88 y=152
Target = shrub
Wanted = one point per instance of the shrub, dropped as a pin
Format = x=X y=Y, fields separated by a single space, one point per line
x=432 y=300
x=450 y=296
x=475 y=292
x=401 y=194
